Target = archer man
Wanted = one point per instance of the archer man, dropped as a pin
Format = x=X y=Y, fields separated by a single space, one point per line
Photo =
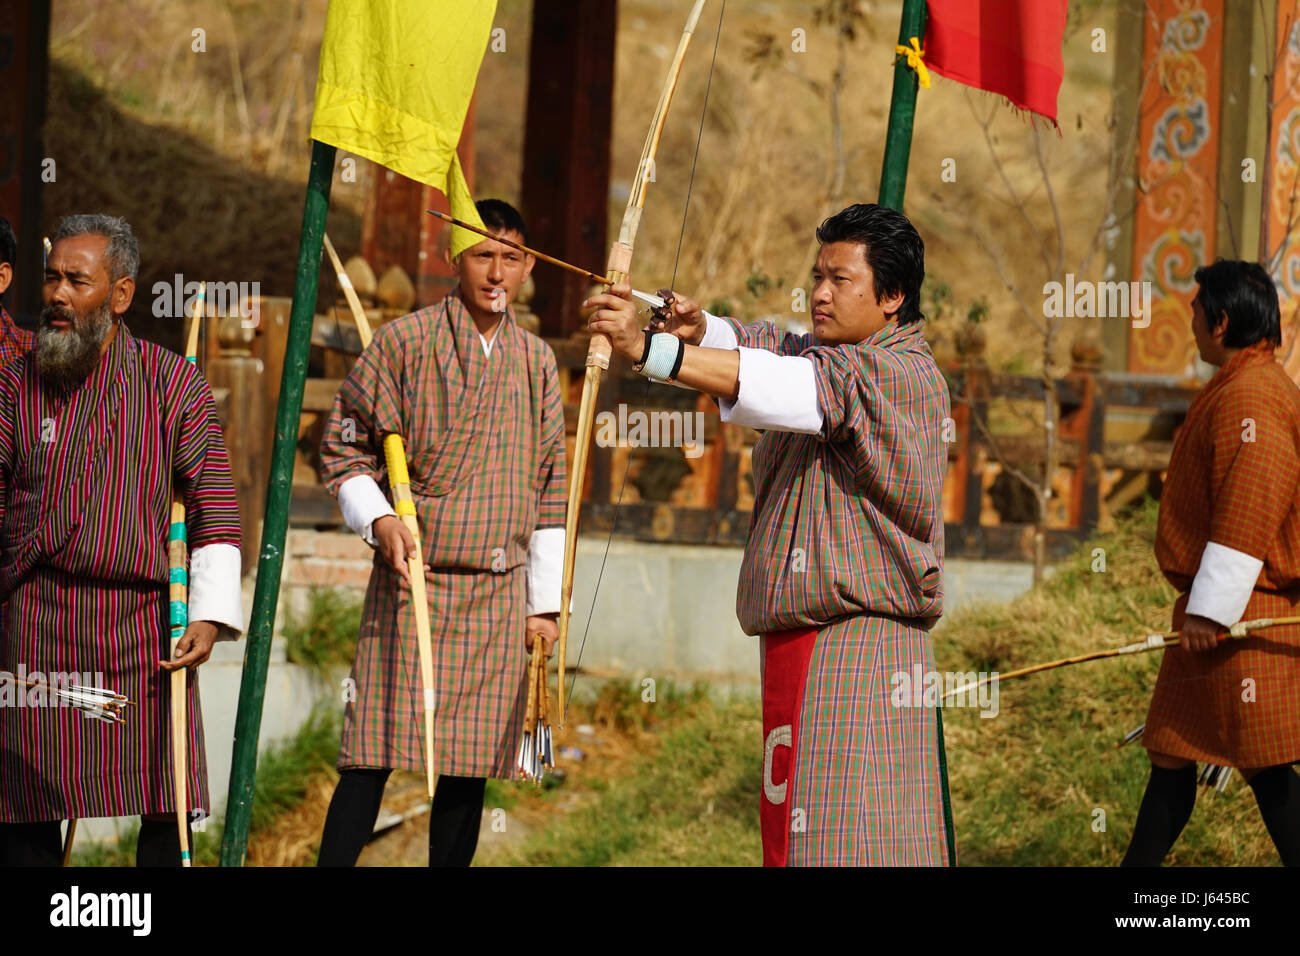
x=1228 y=539
x=97 y=428
x=842 y=574
x=477 y=400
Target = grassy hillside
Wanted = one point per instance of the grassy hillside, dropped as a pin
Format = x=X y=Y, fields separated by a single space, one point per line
x=206 y=152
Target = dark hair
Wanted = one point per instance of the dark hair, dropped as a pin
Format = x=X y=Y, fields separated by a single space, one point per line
x=121 y=255
x=894 y=250
x=8 y=243
x=1245 y=293
x=499 y=215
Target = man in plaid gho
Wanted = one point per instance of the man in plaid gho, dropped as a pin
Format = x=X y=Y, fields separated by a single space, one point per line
x=842 y=574
x=1228 y=540
x=477 y=401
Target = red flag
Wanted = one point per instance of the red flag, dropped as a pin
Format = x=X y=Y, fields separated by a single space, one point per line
x=1011 y=47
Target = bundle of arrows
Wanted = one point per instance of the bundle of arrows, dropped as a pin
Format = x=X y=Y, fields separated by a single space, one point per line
x=93 y=702
x=536 y=754
x=1210 y=775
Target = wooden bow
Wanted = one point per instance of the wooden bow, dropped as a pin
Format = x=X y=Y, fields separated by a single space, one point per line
x=600 y=349
x=179 y=618
x=404 y=504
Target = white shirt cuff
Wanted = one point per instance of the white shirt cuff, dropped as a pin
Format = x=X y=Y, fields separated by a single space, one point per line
x=216 y=592
x=778 y=392
x=545 y=570
x=1223 y=584
x=362 y=503
x=718 y=334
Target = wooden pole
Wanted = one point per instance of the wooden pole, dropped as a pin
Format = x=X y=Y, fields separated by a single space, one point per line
x=67 y=841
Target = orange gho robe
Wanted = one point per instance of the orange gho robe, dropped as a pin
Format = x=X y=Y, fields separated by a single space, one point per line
x=1228 y=540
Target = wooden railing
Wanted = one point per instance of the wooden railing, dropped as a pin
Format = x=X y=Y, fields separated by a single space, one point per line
x=1115 y=436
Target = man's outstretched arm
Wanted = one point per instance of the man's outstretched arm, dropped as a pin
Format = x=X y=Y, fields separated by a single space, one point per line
x=754 y=386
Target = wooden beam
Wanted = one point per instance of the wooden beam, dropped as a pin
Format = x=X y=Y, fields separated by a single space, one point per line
x=567 y=149
x=24 y=72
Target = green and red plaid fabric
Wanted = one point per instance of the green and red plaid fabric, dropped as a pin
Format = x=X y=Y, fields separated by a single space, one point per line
x=866 y=774
x=13 y=340
x=485 y=445
x=1234 y=477
x=850 y=521
x=847 y=536
x=86 y=482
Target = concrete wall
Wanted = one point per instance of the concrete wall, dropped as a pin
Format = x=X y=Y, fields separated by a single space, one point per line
x=669 y=610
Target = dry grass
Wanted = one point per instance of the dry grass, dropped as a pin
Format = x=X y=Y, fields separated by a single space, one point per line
x=207 y=152
x=1026 y=784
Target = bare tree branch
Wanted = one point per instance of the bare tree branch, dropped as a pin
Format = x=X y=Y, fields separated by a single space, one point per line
x=986 y=244
x=1006 y=181
x=1051 y=201
x=991 y=444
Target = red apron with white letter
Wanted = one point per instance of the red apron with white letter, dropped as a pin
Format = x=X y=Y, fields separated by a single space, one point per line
x=785 y=656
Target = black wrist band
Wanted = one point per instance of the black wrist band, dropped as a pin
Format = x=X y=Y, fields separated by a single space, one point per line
x=677 y=365
x=645 y=352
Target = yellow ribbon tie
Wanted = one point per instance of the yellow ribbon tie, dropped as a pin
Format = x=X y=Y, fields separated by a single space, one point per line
x=914 y=55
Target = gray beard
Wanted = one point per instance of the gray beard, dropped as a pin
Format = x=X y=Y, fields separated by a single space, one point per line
x=66 y=358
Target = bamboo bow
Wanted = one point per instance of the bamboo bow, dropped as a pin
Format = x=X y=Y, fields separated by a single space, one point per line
x=600 y=349
x=179 y=618
x=404 y=504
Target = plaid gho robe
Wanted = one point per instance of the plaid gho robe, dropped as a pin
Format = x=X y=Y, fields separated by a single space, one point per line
x=86 y=484
x=847 y=537
x=1241 y=494
x=485 y=445
x=14 y=341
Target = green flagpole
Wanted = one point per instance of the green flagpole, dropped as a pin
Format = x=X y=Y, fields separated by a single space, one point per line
x=893 y=181
x=275 y=524
x=902 y=110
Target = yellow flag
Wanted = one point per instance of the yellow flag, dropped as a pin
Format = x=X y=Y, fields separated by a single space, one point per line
x=395 y=81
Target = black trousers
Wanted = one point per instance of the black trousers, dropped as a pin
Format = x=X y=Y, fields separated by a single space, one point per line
x=41 y=844
x=453 y=821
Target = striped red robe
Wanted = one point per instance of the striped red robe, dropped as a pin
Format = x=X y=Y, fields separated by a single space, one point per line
x=846 y=540
x=485 y=448
x=1234 y=482
x=85 y=493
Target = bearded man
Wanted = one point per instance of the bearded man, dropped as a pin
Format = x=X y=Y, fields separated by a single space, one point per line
x=477 y=401
x=97 y=430
x=842 y=574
